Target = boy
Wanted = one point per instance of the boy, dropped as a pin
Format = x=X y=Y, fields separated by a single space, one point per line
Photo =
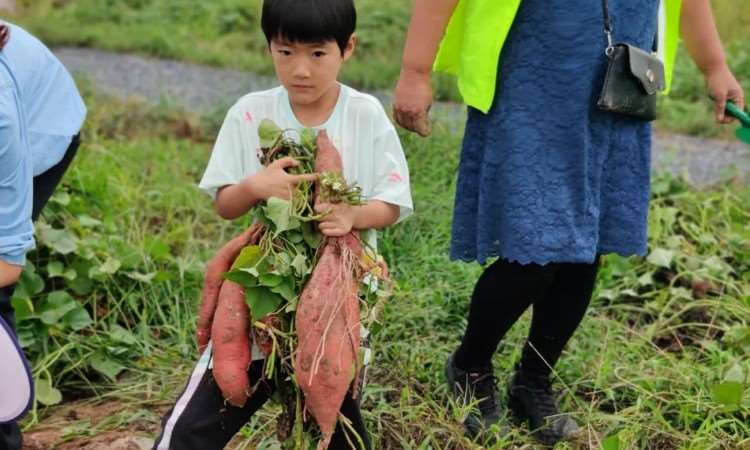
x=309 y=41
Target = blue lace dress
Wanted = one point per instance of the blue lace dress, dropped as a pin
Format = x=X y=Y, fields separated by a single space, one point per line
x=545 y=176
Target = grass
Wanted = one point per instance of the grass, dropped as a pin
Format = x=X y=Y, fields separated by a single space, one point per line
x=226 y=33
x=659 y=363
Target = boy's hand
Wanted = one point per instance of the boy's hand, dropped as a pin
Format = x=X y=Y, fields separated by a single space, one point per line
x=274 y=181
x=338 y=220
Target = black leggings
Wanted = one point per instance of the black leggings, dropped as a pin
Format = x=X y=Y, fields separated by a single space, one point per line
x=560 y=294
x=201 y=420
x=44 y=186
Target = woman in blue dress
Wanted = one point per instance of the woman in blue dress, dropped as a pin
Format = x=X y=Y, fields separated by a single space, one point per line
x=547 y=181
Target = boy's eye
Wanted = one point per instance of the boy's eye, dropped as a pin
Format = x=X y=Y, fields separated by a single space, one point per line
x=319 y=54
x=285 y=52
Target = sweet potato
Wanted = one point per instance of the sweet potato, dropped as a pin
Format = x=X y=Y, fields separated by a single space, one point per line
x=213 y=280
x=328 y=158
x=327 y=320
x=231 y=351
x=327 y=324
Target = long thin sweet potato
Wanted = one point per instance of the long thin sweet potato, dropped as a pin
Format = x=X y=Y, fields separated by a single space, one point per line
x=213 y=280
x=231 y=341
x=327 y=320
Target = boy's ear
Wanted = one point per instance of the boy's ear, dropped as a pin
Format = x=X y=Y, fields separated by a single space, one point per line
x=350 y=45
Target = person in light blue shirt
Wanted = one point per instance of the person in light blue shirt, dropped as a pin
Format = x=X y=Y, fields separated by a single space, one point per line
x=41 y=114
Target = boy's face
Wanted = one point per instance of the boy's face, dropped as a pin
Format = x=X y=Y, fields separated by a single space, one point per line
x=308 y=70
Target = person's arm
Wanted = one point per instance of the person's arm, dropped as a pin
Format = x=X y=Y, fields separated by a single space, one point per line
x=9 y=273
x=413 y=95
x=341 y=218
x=235 y=200
x=704 y=45
x=16 y=229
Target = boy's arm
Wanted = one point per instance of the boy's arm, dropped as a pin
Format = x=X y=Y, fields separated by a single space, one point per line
x=342 y=218
x=413 y=94
x=704 y=45
x=235 y=200
x=376 y=214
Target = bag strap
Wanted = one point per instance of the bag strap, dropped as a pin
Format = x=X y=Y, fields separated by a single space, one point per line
x=608 y=28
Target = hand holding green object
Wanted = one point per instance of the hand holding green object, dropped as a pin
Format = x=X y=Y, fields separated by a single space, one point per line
x=743 y=132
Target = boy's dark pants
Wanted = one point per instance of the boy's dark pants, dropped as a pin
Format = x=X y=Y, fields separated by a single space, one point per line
x=200 y=420
x=44 y=186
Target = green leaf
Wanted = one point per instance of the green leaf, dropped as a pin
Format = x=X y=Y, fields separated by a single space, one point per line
x=61 y=241
x=285 y=289
x=278 y=211
x=77 y=319
x=282 y=263
x=45 y=393
x=647 y=279
x=82 y=285
x=261 y=301
x=61 y=197
x=57 y=305
x=121 y=334
x=248 y=257
x=88 y=222
x=728 y=394
x=312 y=236
x=23 y=307
x=70 y=274
x=242 y=277
x=142 y=277
x=158 y=249
x=295 y=237
x=300 y=265
x=661 y=257
x=735 y=374
x=611 y=442
x=106 y=366
x=30 y=283
x=308 y=139
x=270 y=279
x=110 y=266
x=268 y=133
x=55 y=269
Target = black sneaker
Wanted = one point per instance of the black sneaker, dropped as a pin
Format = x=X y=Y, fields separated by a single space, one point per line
x=467 y=386
x=531 y=399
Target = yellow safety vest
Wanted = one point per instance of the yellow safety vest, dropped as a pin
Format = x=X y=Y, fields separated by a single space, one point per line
x=475 y=36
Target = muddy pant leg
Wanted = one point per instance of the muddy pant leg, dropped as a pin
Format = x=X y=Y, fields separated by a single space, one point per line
x=200 y=420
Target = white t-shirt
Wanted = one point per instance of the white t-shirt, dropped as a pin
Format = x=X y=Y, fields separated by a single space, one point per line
x=358 y=127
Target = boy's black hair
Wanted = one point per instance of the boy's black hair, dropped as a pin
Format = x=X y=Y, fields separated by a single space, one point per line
x=309 y=21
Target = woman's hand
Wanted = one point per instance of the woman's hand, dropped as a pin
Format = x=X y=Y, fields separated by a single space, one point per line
x=338 y=219
x=412 y=101
x=723 y=86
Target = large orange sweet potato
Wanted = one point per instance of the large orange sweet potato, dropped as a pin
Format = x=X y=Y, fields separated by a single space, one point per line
x=327 y=320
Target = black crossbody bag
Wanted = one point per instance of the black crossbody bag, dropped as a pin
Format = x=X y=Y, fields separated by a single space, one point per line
x=634 y=77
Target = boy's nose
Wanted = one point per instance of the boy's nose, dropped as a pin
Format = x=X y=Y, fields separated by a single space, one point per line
x=302 y=71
